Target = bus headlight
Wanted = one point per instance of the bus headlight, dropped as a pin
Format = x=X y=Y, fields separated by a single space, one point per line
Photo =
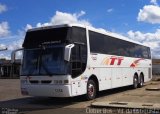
x=57 y=81
x=61 y=81
x=66 y=82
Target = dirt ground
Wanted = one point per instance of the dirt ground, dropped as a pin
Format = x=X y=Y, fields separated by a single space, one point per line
x=11 y=99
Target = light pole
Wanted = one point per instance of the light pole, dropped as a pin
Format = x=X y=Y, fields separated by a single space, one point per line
x=3 y=49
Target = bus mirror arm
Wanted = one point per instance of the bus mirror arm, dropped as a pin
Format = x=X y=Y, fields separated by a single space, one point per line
x=13 y=55
x=67 y=52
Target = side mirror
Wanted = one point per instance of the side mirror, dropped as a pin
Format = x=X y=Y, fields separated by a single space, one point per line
x=67 y=52
x=13 y=55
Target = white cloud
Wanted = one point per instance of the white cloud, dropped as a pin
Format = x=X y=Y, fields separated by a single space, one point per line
x=3 y=8
x=143 y=37
x=28 y=26
x=15 y=45
x=10 y=47
x=109 y=10
x=150 y=14
x=4 y=29
x=43 y=24
x=3 y=56
x=149 y=39
x=11 y=42
x=154 y=2
x=2 y=46
x=63 y=18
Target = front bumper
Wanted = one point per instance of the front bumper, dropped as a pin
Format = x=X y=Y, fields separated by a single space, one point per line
x=47 y=90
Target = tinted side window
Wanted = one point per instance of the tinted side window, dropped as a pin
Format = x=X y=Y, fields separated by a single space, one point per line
x=79 y=51
x=96 y=42
x=100 y=43
x=104 y=44
x=149 y=52
x=79 y=35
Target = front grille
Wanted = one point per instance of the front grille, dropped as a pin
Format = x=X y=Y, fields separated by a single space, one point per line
x=46 y=81
x=40 y=82
x=34 y=81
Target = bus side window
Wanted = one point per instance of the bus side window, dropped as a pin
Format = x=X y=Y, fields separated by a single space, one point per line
x=79 y=51
x=78 y=60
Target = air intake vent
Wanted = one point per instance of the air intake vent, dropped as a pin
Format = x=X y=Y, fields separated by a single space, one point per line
x=46 y=81
x=34 y=81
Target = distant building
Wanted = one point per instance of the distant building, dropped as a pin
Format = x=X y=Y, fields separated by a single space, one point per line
x=9 y=70
x=156 y=66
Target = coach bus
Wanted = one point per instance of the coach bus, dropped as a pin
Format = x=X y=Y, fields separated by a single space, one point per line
x=70 y=60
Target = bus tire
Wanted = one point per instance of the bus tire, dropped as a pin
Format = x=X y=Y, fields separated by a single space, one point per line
x=135 y=82
x=141 y=81
x=91 y=90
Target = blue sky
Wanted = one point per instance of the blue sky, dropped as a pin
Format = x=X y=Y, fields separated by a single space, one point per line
x=139 y=20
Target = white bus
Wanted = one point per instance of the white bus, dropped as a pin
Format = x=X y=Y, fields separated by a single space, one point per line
x=70 y=60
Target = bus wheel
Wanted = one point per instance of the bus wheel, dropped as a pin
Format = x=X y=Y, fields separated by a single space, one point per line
x=141 y=83
x=135 y=82
x=91 y=90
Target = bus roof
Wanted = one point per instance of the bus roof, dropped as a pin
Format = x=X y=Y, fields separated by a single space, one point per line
x=99 y=30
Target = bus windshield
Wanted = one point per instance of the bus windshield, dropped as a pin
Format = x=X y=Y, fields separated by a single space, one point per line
x=48 y=61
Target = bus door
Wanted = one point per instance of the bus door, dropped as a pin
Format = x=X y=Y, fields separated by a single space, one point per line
x=78 y=65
